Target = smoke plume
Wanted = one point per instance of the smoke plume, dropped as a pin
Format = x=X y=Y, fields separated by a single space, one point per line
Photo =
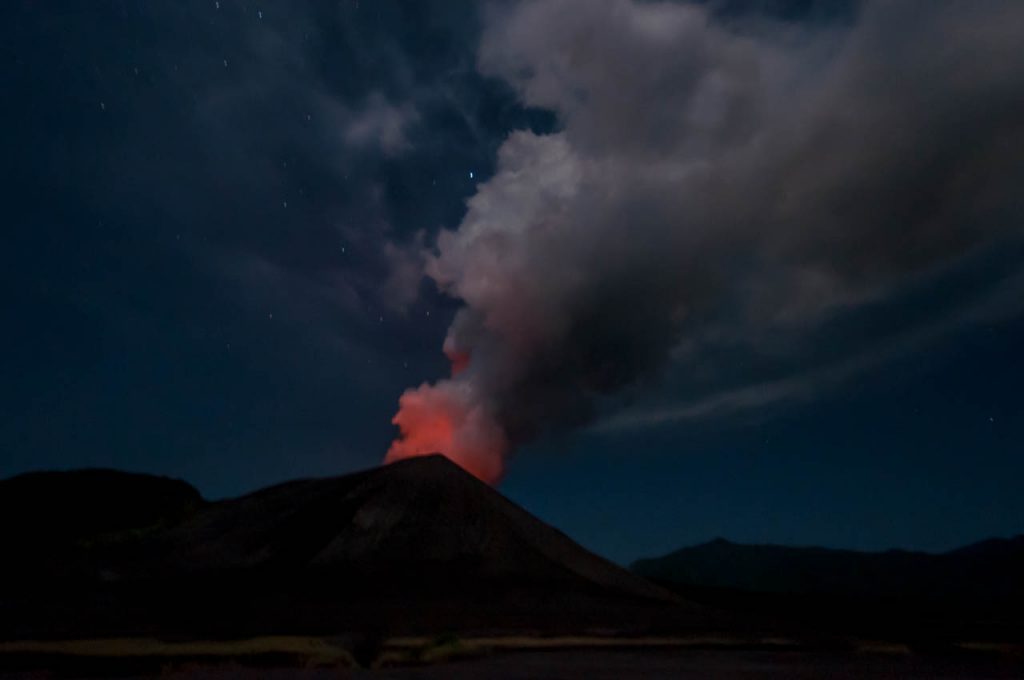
x=712 y=179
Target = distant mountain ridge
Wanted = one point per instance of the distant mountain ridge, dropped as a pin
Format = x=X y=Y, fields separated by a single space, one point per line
x=984 y=576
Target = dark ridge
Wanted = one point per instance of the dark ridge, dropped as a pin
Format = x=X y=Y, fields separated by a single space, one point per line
x=82 y=504
x=976 y=588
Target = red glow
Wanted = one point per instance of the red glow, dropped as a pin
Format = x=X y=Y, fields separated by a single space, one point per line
x=440 y=419
x=459 y=359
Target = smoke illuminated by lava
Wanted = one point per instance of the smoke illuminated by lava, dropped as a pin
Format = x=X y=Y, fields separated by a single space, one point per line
x=442 y=418
x=445 y=418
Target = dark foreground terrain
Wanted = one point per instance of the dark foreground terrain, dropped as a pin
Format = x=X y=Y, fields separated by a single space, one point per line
x=723 y=665
x=623 y=664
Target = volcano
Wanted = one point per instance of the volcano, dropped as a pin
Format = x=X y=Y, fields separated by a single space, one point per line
x=415 y=546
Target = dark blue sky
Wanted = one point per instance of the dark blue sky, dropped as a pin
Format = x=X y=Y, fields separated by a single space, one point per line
x=213 y=214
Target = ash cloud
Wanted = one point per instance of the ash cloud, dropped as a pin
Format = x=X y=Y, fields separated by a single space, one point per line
x=712 y=181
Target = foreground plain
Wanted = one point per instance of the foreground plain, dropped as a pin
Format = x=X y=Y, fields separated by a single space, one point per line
x=619 y=664
x=288 y=658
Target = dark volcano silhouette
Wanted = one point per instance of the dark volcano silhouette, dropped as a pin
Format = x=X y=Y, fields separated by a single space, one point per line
x=419 y=545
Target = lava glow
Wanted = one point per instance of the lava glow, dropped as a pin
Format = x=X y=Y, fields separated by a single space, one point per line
x=442 y=419
x=459 y=360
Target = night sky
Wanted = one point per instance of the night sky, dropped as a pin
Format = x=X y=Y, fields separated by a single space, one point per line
x=740 y=269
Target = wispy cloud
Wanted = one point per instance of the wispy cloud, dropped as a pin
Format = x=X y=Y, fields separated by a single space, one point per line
x=1005 y=301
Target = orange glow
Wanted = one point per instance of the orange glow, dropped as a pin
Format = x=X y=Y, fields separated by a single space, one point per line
x=439 y=419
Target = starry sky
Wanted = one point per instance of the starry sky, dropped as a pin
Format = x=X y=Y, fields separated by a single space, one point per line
x=751 y=270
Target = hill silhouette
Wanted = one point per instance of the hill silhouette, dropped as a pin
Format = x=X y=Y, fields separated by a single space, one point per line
x=60 y=506
x=977 y=587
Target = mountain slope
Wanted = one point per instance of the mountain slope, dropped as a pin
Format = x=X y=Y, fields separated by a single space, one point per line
x=419 y=544
x=424 y=516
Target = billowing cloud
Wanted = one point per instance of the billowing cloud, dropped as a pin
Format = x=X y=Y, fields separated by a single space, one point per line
x=712 y=181
x=381 y=124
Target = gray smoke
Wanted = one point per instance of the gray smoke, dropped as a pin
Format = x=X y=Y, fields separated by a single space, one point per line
x=710 y=181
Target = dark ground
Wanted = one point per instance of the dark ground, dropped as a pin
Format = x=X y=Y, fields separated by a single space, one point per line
x=653 y=665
